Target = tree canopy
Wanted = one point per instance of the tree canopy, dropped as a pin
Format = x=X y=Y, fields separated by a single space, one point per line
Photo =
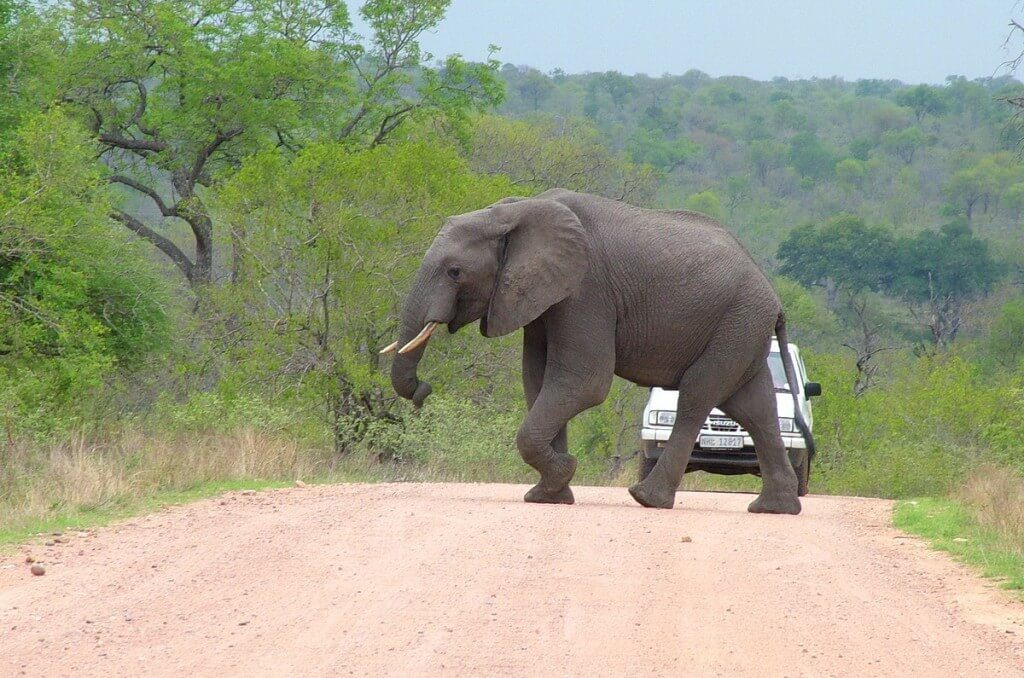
x=178 y=91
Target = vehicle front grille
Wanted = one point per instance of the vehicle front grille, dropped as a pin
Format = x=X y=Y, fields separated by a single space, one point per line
x=721 y=425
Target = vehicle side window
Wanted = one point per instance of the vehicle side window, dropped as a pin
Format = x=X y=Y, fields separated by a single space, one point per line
x=803 y=373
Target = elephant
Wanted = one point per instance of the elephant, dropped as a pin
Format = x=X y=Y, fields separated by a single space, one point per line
x=603 y=288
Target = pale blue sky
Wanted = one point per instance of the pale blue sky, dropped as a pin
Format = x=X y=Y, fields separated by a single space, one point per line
x=910 y=40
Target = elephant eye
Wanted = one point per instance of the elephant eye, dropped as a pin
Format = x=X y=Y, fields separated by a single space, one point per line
x=454 y=272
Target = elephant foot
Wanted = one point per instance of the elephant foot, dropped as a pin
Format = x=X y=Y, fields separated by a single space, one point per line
x=650 y=498
x=553 y=487
x=765 y=503
x=539 y=495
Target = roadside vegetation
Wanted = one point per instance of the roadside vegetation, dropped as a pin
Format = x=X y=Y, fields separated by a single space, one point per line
x=208 y=218
x=957 y=527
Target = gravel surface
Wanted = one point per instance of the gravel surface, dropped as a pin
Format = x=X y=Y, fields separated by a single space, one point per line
x=459 y=580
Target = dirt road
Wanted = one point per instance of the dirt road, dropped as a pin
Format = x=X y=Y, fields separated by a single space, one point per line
x=467 y=580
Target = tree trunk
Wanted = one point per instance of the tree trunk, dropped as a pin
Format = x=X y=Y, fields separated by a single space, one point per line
x=192 y=209
x=831 y=295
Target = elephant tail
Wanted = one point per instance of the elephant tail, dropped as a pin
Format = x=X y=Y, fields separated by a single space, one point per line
x=787 y=364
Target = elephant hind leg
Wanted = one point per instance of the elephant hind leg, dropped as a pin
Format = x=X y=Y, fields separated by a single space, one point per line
x=698 y=394
x=754 y=407
x=710 y=380
x=658 y=488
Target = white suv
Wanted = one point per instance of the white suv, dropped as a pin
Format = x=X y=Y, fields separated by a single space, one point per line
x=722 y=446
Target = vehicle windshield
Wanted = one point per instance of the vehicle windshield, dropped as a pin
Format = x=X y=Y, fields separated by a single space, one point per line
x=778 y=372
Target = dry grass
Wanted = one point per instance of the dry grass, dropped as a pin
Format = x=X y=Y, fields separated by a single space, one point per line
x=41 y=482
x=995 y=498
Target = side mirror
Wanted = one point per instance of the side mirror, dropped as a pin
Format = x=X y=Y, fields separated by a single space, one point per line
x=812 y=388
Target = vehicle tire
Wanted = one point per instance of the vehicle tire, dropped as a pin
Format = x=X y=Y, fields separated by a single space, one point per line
x=803 y=474
x=646 y=465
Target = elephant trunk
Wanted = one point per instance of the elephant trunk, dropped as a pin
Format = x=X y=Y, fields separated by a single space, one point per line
x=403 y=370
x=419 y=310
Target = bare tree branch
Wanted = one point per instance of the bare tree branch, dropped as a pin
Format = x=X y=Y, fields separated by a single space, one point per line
x=162 y=243
x=206 y=151
x=167 y=211
x=131 y=144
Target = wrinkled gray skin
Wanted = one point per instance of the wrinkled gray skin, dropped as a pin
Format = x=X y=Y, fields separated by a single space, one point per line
x=666 y=299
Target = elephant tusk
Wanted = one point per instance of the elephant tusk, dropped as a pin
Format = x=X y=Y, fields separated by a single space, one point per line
x=390 y=348
x=420 y=338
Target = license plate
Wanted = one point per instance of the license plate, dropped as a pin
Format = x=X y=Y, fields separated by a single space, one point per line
x=721 y=442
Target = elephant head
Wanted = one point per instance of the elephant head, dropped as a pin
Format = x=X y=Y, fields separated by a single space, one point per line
x=503 y=265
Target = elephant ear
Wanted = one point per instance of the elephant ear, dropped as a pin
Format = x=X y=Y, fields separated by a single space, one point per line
x=542 y=260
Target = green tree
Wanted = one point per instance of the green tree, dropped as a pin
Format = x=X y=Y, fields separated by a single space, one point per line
x=737 y=189
x=651 y=147
x=535 y=88
x=766 y=155
x=77 y=299
x=861 y=149
x=1006 y=336
x=938 y=272
x=843 y=255
x=706 y=202
x=873 y=88
x=787 y=116
x=548 y=153
x=923 y=100
x=813 y=325
x=967 y=187
x=810 y=157
x=659 y=119
x=983 y=182
x=848 y=258
x=1013 y=197
x=904 y=143
x=321 y=285
x=851 y=173
x=26 y=58
x=177 y=91
x=618 y=86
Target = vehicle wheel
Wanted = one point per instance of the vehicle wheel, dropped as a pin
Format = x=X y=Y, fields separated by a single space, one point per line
x=803 y=474
x=646 y=465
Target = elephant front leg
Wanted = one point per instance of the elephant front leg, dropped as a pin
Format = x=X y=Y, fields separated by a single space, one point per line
x=542 y=440
x=556 y=466
x=556 y=394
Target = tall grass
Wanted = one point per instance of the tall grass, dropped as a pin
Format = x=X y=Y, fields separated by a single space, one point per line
x=47 y=479
x=994 y=496
x=40 y=481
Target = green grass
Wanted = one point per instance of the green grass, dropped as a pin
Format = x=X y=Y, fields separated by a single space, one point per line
x=85 y=518
x=951 y=527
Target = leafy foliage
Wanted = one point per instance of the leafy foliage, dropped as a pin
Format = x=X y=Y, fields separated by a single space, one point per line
x=76 y=298
x=318 y=283
x=923 y=100
x=1006 y=338
x=939 y=271
x=918 y=433
x=181 y=90
x=845 y=252
x=546 y=153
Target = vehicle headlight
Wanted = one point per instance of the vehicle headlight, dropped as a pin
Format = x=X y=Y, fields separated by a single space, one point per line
x=662 y=418
x=786 y=425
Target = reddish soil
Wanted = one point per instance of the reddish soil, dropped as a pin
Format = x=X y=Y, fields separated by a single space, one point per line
x=467 y=580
